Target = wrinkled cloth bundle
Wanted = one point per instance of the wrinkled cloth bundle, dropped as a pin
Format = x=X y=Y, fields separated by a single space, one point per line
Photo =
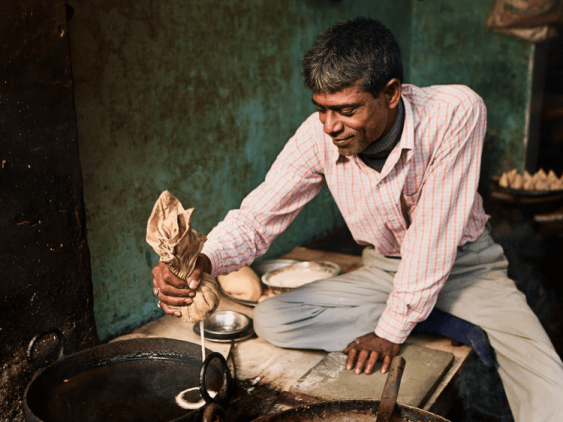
x=170 y=234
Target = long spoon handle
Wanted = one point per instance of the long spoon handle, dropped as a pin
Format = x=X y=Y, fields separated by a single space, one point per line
x=391 y=390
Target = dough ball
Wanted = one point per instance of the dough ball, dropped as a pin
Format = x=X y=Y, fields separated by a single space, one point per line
x=243 y=284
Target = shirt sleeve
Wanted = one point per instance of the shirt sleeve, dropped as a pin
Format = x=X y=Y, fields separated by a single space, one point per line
x=293 y=180
x=430 y=245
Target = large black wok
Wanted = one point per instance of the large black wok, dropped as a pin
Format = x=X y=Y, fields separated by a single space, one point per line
x=129 y=380
x=349 y=410
x=386 y=410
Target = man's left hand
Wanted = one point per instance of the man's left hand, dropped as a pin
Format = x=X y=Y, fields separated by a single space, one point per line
x=368 y=350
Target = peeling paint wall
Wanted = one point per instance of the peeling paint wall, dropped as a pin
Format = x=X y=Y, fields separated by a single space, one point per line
x=450 y=45
x=196 y=97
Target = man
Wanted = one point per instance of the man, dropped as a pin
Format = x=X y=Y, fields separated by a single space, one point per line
x=402 y=163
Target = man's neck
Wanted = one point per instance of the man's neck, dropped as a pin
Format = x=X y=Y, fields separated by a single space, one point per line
x=385 y=143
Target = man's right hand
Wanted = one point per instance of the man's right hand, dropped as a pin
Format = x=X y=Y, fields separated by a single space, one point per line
x=173 y=291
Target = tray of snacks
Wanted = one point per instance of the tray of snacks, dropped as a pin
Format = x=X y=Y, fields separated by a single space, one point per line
x=538 y=184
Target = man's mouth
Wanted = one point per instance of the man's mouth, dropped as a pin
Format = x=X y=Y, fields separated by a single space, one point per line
x=342 y=142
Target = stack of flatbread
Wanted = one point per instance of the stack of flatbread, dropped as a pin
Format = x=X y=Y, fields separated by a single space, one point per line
x=538 y=182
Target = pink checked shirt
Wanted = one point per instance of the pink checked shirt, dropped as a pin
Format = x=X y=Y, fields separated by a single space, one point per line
x=422 y=205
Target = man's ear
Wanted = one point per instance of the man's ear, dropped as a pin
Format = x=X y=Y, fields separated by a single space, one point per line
x=392 y=92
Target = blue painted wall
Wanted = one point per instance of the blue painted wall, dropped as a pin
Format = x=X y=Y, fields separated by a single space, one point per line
x=196 y=97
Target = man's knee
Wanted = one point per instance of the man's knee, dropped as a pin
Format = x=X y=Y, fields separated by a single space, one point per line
x=263 y=321
x=269 y=323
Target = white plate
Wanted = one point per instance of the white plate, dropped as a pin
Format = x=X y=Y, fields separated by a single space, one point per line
x=297 y=275
x=269 y=265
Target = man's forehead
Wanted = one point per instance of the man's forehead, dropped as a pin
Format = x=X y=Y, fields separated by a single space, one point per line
x=346 y=96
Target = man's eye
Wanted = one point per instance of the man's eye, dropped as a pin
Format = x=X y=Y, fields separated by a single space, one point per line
x=347 y=113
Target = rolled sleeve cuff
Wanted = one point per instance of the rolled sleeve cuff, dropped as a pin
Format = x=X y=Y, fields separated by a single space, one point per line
x=213 y=258
x=394 y=327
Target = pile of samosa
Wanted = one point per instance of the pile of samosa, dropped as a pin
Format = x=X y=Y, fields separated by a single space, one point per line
x=538 y=182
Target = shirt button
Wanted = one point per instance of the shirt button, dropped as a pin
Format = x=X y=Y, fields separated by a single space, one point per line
x=392 y=217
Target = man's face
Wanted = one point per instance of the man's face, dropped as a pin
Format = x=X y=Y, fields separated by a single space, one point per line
x=354 y=118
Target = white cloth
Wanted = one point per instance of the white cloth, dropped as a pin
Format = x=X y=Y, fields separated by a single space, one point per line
x=329 y=314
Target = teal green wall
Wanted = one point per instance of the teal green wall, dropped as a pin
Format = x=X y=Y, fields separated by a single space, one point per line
x=450 y=45
x=196 y=97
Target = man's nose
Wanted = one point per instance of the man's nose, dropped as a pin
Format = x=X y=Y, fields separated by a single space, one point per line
x=332 y=124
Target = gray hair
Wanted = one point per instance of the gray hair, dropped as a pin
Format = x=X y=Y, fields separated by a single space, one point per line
x=356 y=50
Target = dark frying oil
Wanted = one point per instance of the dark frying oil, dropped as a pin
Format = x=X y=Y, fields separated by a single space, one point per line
x=130 y=391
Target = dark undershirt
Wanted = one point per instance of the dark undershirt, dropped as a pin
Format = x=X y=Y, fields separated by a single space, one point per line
x=377 y=152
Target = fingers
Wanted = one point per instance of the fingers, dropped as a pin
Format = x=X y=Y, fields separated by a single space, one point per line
x=165 y=302
x=365 y=361
x=167 y=290
x=364 y=352
x=174 y=301
x=195 y=278
x=170 y=290
x=362 y=357
x=371 y=362
x=169 y=310
x=202 y=265
x=386 y=364
x=351 y=358
x=169 y=278
x=168 y=284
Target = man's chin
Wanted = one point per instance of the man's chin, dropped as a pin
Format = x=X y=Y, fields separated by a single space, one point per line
x=348 y=152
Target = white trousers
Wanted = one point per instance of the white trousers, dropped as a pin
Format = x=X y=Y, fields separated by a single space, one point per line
x=328 y=314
